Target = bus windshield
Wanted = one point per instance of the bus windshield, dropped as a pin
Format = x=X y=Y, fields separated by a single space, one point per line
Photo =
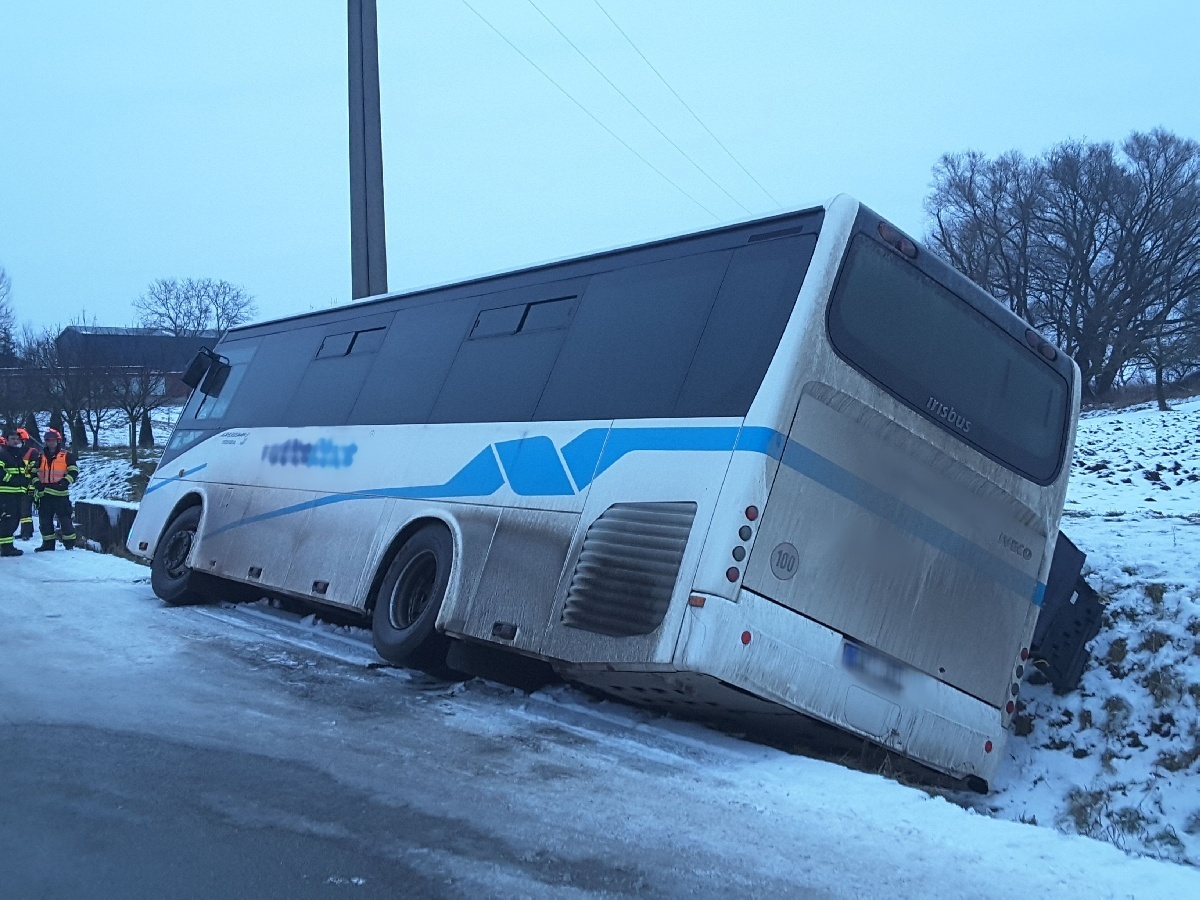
x=932 y=350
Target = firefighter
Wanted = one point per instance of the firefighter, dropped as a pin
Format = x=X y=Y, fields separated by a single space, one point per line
x=13 y=481
x=30 y=454
x=56 y=473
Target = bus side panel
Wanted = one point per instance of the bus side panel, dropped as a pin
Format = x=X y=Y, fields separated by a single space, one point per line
x=473 y=528
x=327 y=557
x=153 y=510
x=259 y=538
x=652 y=476
x=517 y=587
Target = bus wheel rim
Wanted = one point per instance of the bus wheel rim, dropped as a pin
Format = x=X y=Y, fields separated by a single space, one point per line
x=176 y=554
x=414 y=590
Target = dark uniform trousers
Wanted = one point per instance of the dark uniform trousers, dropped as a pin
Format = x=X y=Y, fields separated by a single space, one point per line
x=51 y=507
x=26 y=516
x=10 y=515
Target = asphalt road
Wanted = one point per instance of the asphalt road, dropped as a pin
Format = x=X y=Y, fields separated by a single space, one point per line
x=147 y=751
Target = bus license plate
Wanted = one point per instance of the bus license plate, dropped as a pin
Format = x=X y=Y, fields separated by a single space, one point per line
x=872 y=665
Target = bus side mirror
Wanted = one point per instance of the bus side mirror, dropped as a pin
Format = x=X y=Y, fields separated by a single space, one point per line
x=215 y=377
x=197 y=368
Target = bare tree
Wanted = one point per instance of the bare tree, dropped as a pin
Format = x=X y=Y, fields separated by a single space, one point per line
x=138 y=391
x=99 y=402
x=78 y=378
x=1098 y=247
x=191 y=306
x=229 y=304
x=8 y=322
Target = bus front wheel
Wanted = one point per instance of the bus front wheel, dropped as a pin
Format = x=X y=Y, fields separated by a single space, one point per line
x=409 y=599
x=171 y=578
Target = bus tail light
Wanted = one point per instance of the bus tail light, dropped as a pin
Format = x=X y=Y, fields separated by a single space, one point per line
x=987 y=747
x=745 y=638
x=894 y=238
x=751 y=513
x=732 y=573
x=1047 y=350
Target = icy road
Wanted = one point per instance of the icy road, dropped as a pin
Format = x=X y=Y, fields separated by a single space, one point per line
x=147 y=751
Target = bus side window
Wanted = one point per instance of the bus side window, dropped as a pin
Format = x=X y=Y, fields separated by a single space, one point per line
x=412 y=362
x=333 y=379
x=239 y=354
x=499 y=377
x=368 y=341
x=632 y=340
x=743 y=331
x=335 y=345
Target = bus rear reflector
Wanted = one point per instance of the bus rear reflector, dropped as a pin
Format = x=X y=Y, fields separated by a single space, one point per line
x=745 y=637
x=987 y=748
x=696 y=600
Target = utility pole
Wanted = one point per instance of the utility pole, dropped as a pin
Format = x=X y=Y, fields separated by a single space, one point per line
x=368 y=253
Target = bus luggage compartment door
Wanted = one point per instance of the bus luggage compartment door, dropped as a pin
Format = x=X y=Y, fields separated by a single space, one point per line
x=878 y=534
x=516 y=589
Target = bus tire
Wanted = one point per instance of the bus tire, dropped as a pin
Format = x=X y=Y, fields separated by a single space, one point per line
x=409 y=599
x=171 y=578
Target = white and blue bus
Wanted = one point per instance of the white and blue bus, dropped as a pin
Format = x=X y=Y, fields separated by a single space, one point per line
x=798 y=464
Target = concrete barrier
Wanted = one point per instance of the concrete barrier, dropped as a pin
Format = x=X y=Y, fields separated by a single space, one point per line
x=106 y=522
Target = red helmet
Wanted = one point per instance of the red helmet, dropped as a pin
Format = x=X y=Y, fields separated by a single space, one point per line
x=23 y=434
x=52 y=434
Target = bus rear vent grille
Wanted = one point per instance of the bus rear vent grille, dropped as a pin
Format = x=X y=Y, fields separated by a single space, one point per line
x=627 y=568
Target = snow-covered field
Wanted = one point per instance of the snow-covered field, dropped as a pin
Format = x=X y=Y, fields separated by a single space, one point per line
x=107 y=474
x=1120 y=759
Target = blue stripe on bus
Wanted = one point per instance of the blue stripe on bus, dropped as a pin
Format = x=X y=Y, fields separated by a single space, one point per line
x=154 y=487
x=596 y=450
x=533 y=468
x=478 y=478
x=767 y=441
x=829 y=474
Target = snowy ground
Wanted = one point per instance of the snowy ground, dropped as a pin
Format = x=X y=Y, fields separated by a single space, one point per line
x=1120 y=759
x=138 y=738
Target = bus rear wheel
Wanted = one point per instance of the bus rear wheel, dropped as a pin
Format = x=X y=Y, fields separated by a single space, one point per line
x=171 y=578
x=409 y=599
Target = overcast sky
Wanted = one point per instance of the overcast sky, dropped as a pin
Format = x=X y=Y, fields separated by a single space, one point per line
x=143 y=140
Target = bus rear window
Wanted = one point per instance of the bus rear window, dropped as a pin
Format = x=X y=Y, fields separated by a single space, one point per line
x=932 y=350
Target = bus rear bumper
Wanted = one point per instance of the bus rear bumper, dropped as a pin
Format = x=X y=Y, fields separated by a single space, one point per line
x=779 y=655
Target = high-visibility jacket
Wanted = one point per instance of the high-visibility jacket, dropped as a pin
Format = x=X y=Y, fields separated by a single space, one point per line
x=14 y=477
x=57 y=472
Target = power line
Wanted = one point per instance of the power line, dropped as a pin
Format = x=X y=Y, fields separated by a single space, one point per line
x=728 y=152
x=589 y=113
x=636 y=109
